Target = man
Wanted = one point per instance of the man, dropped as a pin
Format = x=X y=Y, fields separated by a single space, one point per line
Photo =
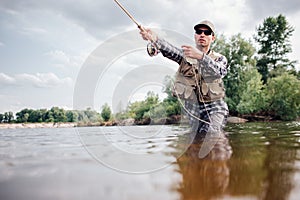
x=198 y=82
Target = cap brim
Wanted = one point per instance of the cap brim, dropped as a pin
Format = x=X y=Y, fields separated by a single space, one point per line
x=202 y=25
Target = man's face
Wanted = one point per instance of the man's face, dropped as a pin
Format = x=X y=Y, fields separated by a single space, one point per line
x=204 y=37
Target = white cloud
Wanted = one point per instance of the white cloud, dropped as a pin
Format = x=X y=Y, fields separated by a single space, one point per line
x=63 y=60
x=40 y=80
x=6 y=79
x=1 y=44
x=33 y=30
x=43 y=80
x=59 y=56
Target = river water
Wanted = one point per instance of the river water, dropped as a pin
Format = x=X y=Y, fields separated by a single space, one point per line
x=255 y=161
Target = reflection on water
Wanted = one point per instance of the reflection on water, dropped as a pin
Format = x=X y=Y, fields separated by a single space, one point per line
x=254 y=161
x=208 y=177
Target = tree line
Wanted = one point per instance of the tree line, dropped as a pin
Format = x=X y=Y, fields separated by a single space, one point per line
x=55 y=114
x=260 y=82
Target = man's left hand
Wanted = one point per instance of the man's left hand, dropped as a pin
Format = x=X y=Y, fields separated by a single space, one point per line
x=192 y=52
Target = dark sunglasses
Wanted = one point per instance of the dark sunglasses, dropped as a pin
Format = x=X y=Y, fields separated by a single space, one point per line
x=206 y=32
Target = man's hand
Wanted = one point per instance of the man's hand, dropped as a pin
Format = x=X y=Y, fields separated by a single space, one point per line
x=192 y=52
x=148 y=34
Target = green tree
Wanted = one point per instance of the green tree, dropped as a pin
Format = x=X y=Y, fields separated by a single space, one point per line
x=138 y=109
x=135 y=110
x=106 y=112
x=240 y=54
x=253 y=98
x=1 y=117
x=284 y=97
x=123 y=115
x=156 y=112
x=151 y=106
x=57 y=114
x=23 y=115
x=43 y=113
x=8 y=117
x=36 y=115
x=171 y=103
x=151 y=98
x=273 y=37
x=49 y=116
x=72 y=116
x=92 y=115
x=82 y=117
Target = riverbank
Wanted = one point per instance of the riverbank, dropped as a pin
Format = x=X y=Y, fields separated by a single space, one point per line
x=36 y=125
x=127 y=122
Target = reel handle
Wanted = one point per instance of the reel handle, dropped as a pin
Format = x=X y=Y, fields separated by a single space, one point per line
x=152 y=48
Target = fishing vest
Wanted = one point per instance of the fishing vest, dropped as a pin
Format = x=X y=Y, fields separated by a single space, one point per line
x=196 y=83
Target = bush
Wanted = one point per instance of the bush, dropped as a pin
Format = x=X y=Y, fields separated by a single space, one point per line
x=252 y=95
x=106 y=112
x=283 y=93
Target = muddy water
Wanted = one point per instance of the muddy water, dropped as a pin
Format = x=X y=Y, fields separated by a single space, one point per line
x=255 y=161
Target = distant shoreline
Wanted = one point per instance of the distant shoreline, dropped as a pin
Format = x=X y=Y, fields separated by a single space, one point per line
x=75 y=124
x=36 y=125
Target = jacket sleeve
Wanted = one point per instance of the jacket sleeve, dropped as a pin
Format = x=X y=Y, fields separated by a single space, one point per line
x=169 y=51
x=217 y=67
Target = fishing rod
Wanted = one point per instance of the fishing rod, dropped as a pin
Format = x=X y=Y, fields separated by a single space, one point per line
x=129 y=15
x=151 y=47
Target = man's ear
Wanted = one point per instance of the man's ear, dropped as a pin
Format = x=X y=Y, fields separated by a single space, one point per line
x=213 y=38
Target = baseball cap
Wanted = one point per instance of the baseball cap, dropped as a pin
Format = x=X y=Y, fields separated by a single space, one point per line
x=207 y=24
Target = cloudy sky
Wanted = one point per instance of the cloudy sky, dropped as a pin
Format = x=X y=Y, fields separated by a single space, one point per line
x=44 y=44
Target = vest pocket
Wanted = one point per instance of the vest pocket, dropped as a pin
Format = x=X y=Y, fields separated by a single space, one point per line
x=179 y=88
x=184 y=91
x=212 y=91
x=215 y=89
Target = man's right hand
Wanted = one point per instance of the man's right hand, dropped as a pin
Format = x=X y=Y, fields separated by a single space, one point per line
x=148 y=34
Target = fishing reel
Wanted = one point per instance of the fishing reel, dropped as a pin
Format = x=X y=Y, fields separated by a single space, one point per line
x=152 y=49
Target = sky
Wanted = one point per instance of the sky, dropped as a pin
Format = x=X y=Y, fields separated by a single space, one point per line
x=47 y=48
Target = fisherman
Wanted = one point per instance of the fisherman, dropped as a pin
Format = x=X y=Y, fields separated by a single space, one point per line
x=199 y=78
